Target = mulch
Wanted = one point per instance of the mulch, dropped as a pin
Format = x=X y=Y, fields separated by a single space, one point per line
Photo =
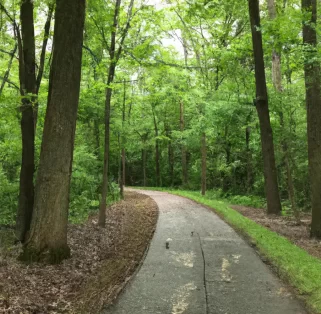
x=102 y=261
x=287 y=226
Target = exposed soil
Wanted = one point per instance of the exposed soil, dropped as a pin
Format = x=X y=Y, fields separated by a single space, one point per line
x=286 y=226
x=102 y=261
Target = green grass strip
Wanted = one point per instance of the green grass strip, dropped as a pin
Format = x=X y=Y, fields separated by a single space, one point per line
x=302 y=270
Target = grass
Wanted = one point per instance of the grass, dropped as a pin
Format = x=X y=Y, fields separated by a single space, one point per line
x=302 y=270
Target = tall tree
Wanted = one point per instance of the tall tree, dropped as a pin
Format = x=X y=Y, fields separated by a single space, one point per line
x=48 y=234
x=29 y=89
x=262 y=107
x=114 y=55
x=183 y=147
x=27 y=74
x=203 y=153
x=313 y=102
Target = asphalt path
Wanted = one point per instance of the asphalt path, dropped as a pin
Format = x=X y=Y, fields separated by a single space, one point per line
x=206 y=269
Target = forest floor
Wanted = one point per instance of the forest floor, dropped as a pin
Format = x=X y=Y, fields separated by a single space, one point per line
x=287 y=226
x=102 y=262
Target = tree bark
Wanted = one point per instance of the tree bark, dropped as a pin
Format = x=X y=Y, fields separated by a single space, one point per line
x=270 y=173
x=48 y=235
x=203 y=153
x=313 y=101
x=27 y=76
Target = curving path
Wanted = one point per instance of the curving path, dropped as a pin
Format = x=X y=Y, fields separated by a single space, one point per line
x=208 y=269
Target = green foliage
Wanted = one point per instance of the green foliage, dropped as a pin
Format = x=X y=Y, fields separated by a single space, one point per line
x=8 y=199
x=246 y=200
x=182 y=53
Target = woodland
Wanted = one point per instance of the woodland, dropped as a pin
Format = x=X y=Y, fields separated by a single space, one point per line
x=212 y=96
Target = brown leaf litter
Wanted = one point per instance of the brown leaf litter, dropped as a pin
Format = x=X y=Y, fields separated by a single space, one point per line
x=102 y=261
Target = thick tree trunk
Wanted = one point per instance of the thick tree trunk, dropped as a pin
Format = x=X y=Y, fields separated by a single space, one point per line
x=27 y=63
x=270 y=174
x=203 y=153
x=29 y=87
x=183 y=148
x=313 y=101
x=48 y=234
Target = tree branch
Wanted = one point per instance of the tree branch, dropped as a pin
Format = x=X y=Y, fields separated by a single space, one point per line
x=125 y=32
x=95 y=58
x=44 y=46
x=9 y=82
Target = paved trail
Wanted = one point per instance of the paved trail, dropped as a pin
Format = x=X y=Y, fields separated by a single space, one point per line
x=208 y=269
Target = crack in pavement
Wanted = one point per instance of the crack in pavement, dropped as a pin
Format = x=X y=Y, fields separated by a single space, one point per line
x=204 y=273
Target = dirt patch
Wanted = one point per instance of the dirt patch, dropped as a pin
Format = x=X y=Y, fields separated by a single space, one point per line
x=102 y=261
x=299 y=234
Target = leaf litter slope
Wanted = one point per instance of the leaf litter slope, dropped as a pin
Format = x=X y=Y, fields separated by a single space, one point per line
x=102 y=261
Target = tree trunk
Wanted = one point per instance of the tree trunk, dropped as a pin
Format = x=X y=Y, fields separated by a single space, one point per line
x=97 y=138
x=203 y=152
x=277 y=82
x=123 y=158
x=170 y=155
x=270 y=174
x=249 y=171
x=183 y=148
x=313 y=101
x=157 y=162
x=171 y=163
x=27 y=65
x=29 y=87
x=123 y=153
x=109 y=91
x=48 y=235
x=144 y=166
x=42 y=59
